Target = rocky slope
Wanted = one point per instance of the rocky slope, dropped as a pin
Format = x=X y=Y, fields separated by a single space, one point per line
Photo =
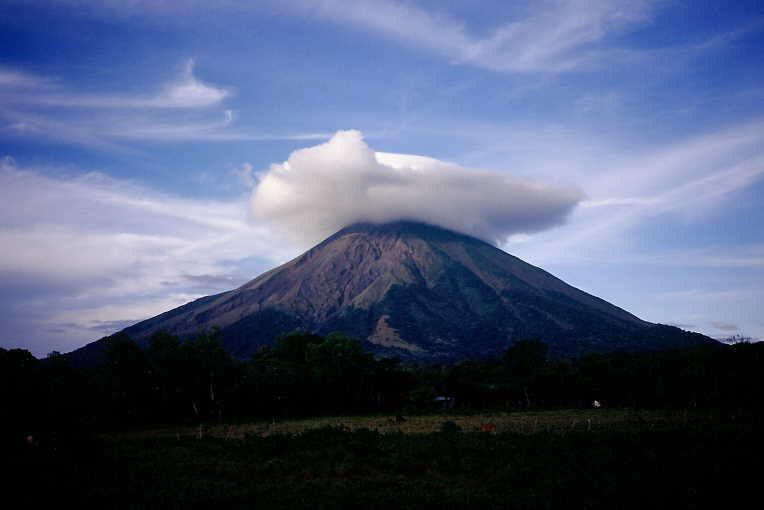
x=418 y=292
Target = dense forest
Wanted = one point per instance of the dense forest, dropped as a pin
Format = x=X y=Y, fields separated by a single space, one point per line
x=308 y=375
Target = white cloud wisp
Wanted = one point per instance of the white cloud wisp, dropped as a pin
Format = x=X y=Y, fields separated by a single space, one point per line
x=553 y=36
x=185 y=92
x=81 y=253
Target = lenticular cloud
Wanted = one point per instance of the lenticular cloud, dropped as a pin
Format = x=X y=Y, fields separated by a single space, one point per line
x=321 y=189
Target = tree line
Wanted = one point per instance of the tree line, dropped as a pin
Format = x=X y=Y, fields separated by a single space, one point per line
x=302 y=374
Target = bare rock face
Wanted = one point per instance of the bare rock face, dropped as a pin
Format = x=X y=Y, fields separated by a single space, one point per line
x=418 y=292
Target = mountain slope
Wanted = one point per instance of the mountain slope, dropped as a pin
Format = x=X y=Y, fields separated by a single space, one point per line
x=419 y=292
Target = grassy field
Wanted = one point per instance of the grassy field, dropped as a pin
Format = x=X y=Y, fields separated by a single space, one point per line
x=556 y=422
x=552 y=459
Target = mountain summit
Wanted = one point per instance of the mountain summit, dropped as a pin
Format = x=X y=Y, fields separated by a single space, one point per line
x=418 y=292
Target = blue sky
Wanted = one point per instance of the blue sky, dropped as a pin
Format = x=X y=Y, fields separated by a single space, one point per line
x=134 y=137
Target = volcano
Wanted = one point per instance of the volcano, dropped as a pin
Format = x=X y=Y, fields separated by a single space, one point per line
x=418 y=292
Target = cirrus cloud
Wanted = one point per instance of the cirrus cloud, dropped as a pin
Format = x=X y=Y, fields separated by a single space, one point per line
x=85 y=254
x=321 y=189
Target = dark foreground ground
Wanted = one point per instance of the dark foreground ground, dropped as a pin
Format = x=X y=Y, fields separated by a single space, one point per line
x=695 y=463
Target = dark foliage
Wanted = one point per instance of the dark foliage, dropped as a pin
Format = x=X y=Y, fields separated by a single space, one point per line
x=303 y=374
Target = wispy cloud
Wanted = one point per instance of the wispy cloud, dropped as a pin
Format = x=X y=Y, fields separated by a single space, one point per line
x=220 y=129
x=717 y=296
x=725 y=326
x=737 y=257
x=14 y=78
x=546 y=36
x=599 y=103
x=88 y=248
x=42 y=127
x=691 y=178
x=551 y=36
x=247 y=175
x=187 y=91
x=182 y=110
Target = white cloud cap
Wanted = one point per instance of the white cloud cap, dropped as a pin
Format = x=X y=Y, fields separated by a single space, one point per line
x=321 y=189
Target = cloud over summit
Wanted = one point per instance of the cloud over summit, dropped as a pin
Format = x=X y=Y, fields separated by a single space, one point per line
x=321 y=189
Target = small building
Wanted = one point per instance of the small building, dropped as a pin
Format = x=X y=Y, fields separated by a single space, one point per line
x=445 y=402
